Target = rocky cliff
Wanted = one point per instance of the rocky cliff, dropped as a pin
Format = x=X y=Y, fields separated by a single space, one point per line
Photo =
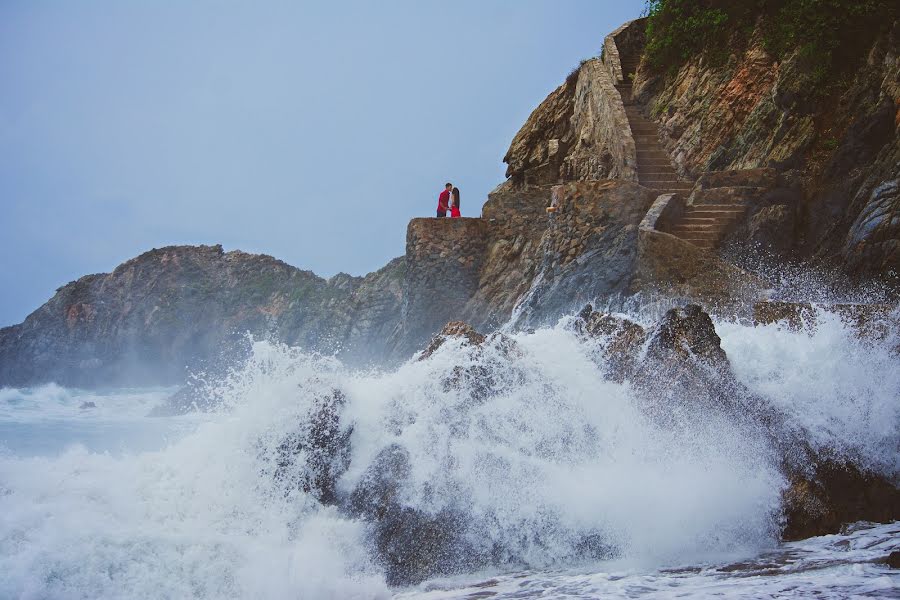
x=182 y=308
x=832 y=136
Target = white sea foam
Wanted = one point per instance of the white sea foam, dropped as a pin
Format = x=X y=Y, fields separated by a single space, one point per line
x=555 y=455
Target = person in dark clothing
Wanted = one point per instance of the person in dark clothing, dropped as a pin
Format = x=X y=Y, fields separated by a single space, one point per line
x=444 y=201
x=454 y=203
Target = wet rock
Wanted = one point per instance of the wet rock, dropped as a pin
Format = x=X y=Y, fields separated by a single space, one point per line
x=893 y=559
x=87 y=405
x=453 y=329
x=316 y=455
x=412 y=544
x=793 y=314
x=479 y=379
x=834 y=495
x=687 y=333
x=871 y=321
x=624 y=340
x=874 y=237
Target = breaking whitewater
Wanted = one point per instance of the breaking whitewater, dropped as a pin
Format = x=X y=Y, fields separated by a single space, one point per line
x=520 y=465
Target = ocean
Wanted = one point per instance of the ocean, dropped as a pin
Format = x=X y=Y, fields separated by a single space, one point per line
x=100 y=500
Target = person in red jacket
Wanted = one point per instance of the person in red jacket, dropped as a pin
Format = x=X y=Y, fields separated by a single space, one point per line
x=444 y=201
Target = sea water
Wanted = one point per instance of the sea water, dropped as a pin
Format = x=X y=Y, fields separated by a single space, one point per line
x=107 y=502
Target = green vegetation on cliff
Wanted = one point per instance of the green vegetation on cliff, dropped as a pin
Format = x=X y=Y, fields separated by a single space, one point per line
x=829 y=35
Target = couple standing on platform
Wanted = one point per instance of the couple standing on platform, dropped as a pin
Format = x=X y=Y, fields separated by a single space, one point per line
x=449 y=200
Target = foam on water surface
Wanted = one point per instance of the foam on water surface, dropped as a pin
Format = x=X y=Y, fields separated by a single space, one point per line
x=556 y=455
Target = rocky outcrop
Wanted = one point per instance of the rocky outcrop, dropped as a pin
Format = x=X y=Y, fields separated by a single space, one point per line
x=580 y=132
x=836 y=494
x=680 y=360
x=182 y=308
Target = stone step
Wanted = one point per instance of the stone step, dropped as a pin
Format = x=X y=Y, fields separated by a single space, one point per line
x=702 y=244
x=692 y=220
x=669 y=177
x=711 y=214
x=713 y=236
x=713 y=227
x=658 y=176
x=716 y=209
x=666 y=187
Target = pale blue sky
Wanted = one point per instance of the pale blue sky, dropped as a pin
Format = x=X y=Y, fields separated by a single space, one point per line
x=311 y=131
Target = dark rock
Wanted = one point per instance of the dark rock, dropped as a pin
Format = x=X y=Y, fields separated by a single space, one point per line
x=871 y=321
x=87 y=404
x=864 y=138
x=834 y=495
x=686 y=333
x=623 y=341
x=314 y=457
x=411 y=544
x=380 y=484
x=893 y=559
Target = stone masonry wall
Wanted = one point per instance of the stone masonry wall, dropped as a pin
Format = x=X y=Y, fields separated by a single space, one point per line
x=443 y=267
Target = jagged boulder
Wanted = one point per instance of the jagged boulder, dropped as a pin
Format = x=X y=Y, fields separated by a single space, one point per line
x=623 y=338
x=412 y=544
x=450 y=330
x=318 y=453
x=478 y=379
x=685 y=333
x=684 y=351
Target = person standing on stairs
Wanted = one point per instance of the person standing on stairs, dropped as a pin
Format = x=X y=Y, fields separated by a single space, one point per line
x=444 y=200
x=454 y=203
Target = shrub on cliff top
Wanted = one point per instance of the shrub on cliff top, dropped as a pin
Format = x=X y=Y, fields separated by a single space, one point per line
x=829 y=35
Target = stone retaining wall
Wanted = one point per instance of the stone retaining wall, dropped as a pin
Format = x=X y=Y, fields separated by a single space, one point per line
x=443 y=266
x=666 y=209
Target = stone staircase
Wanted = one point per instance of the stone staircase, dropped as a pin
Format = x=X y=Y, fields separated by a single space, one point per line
x=654 y=168
x=703 y=223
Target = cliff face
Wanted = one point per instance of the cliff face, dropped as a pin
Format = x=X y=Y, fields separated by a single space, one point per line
x=188 y=307
x=838 y=146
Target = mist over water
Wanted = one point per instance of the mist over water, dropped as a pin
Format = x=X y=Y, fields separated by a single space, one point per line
x=555 y=468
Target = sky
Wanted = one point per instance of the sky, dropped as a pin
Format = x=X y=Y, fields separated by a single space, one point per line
x=310 y=131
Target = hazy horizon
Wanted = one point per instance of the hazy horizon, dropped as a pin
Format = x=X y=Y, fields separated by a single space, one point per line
x=309 y=132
